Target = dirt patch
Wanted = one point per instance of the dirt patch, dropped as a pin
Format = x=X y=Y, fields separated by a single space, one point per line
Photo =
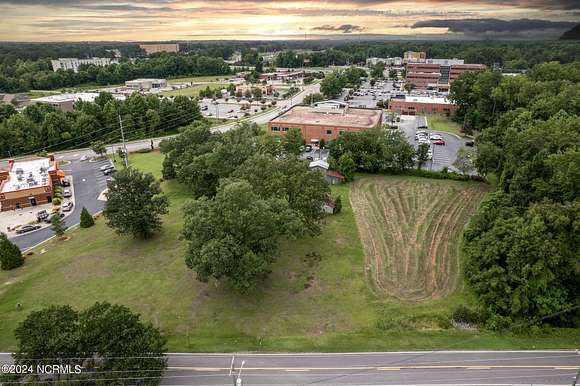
x=409 y=229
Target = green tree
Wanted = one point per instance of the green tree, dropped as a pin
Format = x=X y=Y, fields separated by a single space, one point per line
x=332 y=85
x=99 y=148
x=346 y=166
x=293 y=141
x=57 y=224
x=393 y=74
x=465 y=161
x=312 y=98
x=235 y=234
x=110 y=342
x=378 y=70
x=135 y=204
x=422 y=155
x=87 y=220
x=10 y=255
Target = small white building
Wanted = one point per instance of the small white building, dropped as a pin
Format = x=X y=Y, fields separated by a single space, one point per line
x=146 y=84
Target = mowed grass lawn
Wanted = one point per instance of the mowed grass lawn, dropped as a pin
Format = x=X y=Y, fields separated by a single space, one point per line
x=194 y=90
x=316 y=299
x=204 y=78
x=439 y=122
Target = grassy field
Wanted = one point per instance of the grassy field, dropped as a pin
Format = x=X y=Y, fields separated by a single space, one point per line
x=410 y=229
x=439 y=122
x=194 y=90
x=207 y=78
x=316 y=299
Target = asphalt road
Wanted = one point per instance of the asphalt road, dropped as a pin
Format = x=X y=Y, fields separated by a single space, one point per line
x=88 y=183
x=389 y=368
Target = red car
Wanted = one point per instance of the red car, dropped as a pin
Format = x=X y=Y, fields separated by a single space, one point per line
x=439 y=142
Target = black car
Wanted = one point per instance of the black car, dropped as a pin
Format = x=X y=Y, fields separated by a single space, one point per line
x=109 y=170
x=27 y=228
x=470 y=143
x=64 y=182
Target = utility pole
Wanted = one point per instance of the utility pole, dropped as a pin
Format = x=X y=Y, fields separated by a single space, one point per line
x=236 y=379
x=126 y=157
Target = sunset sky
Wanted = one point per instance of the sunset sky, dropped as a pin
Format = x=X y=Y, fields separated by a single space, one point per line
x=144 y=20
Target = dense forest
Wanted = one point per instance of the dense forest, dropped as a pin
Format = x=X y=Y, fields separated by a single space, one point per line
x=508 y=55
x=522 y=247
x=38 y=75
x=43 y=128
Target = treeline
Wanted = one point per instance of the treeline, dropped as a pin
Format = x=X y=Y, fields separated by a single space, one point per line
x=38 y=74
x=250 y=189
x=508 y=55
x=43 y=128
x=12 y=52
x=332 y=85
x=522 y=247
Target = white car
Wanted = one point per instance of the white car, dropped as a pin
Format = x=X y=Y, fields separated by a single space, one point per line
x=67 y=206
x=67 y=193
x=435 y=137
x=84 y=158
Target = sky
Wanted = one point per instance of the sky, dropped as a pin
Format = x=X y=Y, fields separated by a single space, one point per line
x=160 y=20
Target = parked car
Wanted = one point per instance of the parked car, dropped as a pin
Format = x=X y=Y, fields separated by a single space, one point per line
x=469 y=143
x=435 y=137
x=27 y=228
x=439 y=142
x=67 y=193
x=102 y=168
x=308 y=148
x=48 y=219
x=41 y=215
x=64 y=182
x=109 y=171
x=84 y=158
x=67 y=206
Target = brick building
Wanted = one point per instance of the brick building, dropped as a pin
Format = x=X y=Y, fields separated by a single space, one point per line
x=30 y=182
x=438 y=74
x=412 y=105
x=265 y=89
x=325 y=120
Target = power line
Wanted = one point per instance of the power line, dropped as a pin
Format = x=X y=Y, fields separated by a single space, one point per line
x=175 y=118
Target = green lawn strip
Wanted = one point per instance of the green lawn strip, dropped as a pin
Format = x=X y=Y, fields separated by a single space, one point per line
x=439 y=122
x=316 y=299
x=204 y=78
x=195 y=89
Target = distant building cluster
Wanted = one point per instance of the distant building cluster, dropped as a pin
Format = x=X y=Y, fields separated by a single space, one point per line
x=265 y=89
x=162 y=47
x=282 y=75
x=388 y=62
x=75 y=63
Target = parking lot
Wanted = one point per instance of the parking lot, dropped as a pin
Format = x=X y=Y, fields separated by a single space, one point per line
x=228 y=110
x=443 y=155
x=88 y=181
x=367 y=96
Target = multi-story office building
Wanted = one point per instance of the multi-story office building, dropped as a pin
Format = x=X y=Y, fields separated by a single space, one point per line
x=438 y=74
x=75 y=63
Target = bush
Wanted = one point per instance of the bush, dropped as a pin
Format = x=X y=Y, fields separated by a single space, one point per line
x=56 y=201
x=10 y=255
x=465 y=315
x=87 y=220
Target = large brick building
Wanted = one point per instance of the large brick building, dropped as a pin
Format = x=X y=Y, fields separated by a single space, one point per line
x=325 y=120
x=412 y=105
x=28 y=182
x=438 y=74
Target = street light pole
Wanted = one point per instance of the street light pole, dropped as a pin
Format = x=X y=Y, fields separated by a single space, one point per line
x=126 y=157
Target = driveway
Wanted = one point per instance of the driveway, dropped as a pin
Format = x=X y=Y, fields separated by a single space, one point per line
x=88 y=182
